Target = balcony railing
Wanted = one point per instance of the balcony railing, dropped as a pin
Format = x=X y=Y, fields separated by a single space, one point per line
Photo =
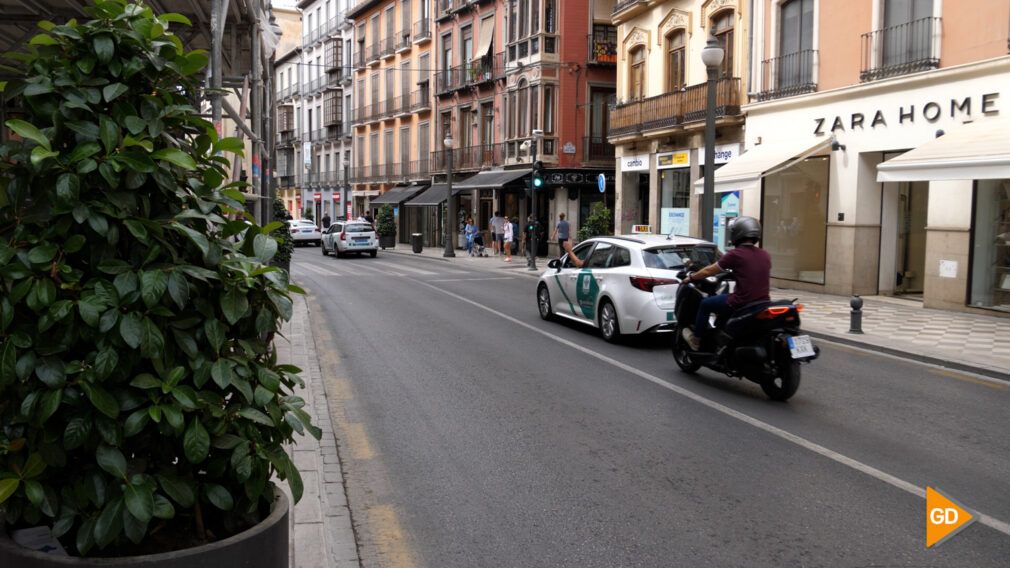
x=360 y=56
x=597 y=149
x=401 y=105
x=448 y=80
x=672 y=109
x=625 y=5
x=900 y=50
x=420 y=100
x=422 y=30
x=372 y=53
x=388 y=47
x=478 y=157
x=402 y=42
x=419 y=169
x=602 y=52
x=789 y=75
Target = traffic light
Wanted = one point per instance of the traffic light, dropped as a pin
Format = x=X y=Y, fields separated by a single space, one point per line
x=538 y=174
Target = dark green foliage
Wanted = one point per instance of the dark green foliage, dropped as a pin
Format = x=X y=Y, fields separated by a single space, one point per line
x=599 y=222
x=285 y=244
x=139 y=385
x=385 y=223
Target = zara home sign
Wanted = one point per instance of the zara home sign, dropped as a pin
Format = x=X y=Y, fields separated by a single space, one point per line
x=930 y=112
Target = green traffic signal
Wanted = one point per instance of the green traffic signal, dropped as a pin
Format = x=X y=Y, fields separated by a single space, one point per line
x=538 y=181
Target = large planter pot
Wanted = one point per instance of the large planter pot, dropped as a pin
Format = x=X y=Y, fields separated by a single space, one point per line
x=262 y=546
x=387 y=241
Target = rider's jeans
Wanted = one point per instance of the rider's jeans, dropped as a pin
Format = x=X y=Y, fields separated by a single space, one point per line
x=712 y=305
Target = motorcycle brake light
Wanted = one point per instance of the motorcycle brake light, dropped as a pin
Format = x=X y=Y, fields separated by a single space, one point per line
x=772 y=312
x=646 y=283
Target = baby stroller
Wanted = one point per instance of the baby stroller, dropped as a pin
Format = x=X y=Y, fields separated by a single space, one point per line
x=476 y=244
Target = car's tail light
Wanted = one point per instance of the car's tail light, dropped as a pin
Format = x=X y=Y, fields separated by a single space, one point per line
x=294 y=231
x=647 y=284
x=343 y=236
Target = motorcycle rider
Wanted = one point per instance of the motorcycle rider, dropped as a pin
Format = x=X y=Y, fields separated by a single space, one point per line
x=751 y=268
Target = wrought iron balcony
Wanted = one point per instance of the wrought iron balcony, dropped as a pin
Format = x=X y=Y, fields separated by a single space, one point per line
x=419 y=170
x=673 y=109
x=900 y=50
x=597 y=149
x=420 y=100
x=626 y=8
x=388 y=48
x=602 y=52
x=789 y=75
x=422 y=30
x=372 y=54
x=403 y=41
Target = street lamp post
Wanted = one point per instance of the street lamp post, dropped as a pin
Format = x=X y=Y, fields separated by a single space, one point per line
x=450 y=214
x=532 y=266
x=346 y=193
x=711 y=56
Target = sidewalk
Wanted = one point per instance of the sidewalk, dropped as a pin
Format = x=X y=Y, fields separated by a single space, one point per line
x=956 y=340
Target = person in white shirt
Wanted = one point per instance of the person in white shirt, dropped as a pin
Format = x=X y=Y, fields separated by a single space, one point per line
x=508 y=239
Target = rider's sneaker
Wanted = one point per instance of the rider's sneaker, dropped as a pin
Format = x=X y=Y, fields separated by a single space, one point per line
x=693 y=342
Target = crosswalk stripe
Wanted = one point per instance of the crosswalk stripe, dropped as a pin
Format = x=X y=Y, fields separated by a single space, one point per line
x=395 y=266
x=318 y=269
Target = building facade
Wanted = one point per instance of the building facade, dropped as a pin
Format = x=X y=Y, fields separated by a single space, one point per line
x=877 y=148
x=658 y=121
x=392 y=101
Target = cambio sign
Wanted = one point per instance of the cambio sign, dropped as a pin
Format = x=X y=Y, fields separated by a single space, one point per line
x=636 y=163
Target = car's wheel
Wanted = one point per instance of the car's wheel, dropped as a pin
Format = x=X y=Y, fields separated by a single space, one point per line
x=682 y=352
x=319 y=243
x=544 y=302
x=337 y=252
x=373 y=253
x=610 y=329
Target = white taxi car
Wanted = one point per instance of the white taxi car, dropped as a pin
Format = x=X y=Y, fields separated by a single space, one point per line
x=350 y=236
x=304 y=231
x=626 y=285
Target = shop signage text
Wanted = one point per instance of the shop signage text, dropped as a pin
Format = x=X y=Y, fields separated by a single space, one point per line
x=673 y=160
x=635 y=163
x=722 y=152
x=931 y=112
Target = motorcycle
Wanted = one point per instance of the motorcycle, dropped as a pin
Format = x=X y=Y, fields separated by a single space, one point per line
x=760 y=341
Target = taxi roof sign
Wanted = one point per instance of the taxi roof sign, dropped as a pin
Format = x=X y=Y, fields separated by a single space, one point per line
x=641 y=228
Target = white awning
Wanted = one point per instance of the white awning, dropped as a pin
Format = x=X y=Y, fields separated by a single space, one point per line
x=746 y=170
x=486 y=34
x=979 y=150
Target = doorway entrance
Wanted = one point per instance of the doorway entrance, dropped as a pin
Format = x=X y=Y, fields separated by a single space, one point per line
x=910 y=255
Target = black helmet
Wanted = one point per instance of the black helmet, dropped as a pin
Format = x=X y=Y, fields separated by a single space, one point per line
x=744 y=228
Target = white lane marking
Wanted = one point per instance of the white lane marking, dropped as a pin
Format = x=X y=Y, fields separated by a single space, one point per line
x=471 y=279
x=920 y=492
x=317 y=269
x=395 y=266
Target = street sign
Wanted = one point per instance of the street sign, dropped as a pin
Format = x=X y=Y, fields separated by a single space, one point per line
x=601 y=181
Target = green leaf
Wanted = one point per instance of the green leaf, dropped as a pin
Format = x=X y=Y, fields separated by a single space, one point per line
x=8 y=363
x=152 y=286
x=48 y=405
x=228 y=145
x=177 y=490
x=173 y=17
x=34 y=466
x=262 y=396
x=8 y=487
x=256 y=416
x=151 y=340
x=108 y=132
x=218 y=496
x=104 y=47
x=109 y=523
x=113 y=91
x=43 y=39
x=85 y=150
x=42 y=254
x=52 y=372
x=101 y=399
x=130 y=328
x=145 y=381
x=198 y=239
x=136 y=161
x=85 y=536
x=196 y=442
x=178 y=289
x=140 y=501
x=177 y=157
x=227 y=441
x=135 y=422
x=34 y=492
x=28 y=131
x=185 y=396
x=90 y=308
x=265 y=248
x=163 y=508
x=134 y=529
x=111 y=460
x=221 y=373
x=135 y=124
x=76 y=433
x=40 y=154
x=106 y=362
x=234 y=304
x=68 y=186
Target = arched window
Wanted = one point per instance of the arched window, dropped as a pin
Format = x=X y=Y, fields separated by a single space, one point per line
x=675 y=71
x=636 y=80
x=722 y=29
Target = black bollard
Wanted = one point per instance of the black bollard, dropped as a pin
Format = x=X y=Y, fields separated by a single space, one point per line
x=856 y=316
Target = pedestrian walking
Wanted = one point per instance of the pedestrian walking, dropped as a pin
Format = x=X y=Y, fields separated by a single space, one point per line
x=561 y=229
x=469 y=231
x=497 y=232
x=507 y=239
x=326 y=221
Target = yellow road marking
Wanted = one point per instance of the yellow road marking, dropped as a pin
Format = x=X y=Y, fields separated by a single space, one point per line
x=390 y=537
x=969 y=379
x=357 y=441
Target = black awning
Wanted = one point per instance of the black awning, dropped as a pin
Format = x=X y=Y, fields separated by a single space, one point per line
x=490 y=180
x=399 y=194
x=434 y=195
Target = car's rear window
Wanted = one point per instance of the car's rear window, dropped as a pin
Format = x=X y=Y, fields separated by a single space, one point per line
x=676 y=257
x=360 y=228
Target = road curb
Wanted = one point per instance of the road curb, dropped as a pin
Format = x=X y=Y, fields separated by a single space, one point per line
x=918 y=357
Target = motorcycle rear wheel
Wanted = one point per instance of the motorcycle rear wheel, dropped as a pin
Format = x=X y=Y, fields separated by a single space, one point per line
x=785 y=385
x=682 y=353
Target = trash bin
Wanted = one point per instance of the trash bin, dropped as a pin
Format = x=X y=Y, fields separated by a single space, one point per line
x=417 y=241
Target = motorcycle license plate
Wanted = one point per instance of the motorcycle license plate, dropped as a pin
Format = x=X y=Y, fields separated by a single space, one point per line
x=800 y=346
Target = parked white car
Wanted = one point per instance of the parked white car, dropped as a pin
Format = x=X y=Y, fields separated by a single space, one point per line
x=350 y=236
x=304 y=231
x=627 y=284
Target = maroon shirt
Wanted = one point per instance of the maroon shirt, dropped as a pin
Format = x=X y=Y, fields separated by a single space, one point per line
x=751 y=268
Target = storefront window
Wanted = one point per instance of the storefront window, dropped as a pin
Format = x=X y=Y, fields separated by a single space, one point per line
x=990 y=275
x=794 y=216
x=675 y=201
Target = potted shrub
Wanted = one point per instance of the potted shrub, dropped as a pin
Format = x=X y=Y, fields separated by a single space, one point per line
x=598 y=223
x=142 y=405
x=385 y=226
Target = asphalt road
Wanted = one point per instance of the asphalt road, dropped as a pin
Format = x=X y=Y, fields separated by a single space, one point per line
x=474 y=434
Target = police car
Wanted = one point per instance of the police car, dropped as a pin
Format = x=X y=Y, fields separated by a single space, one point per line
x=626 y=284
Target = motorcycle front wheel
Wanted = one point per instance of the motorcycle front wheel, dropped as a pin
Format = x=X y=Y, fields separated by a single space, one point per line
x=682 y=352
x=785 y=385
